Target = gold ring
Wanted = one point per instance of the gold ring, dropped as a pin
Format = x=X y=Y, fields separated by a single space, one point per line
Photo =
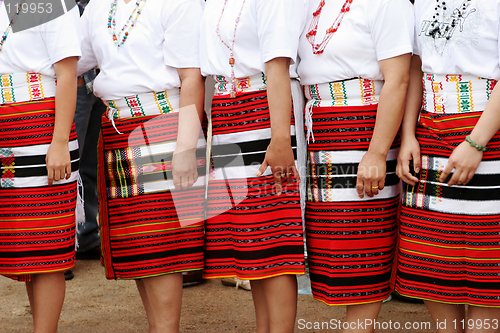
x=375 y=187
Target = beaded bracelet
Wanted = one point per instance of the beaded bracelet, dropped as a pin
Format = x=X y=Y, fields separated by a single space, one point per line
x=473 y=144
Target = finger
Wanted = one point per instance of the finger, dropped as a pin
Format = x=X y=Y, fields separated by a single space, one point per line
x=50 y=175
x=184 y=183
x=191 y=181
x=289 y=175
x=277 y=172
x=57 y=175
x=374 y=187
x=462 y=179
x=68 y=171
x=446 y=172
x=403 y=172
x=359 y=187
x=381 y=184
x=417 y=162
x=368 y=188
x=454 y=178
x=296 y=173
x=469 y=177
x=262 y=169
x=177 y=182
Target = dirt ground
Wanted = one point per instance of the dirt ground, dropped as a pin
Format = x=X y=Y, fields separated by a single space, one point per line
x=95 y=305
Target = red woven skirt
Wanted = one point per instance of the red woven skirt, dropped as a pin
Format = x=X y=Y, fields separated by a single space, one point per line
x=147 y=228
x=449 y=239
x=37 y=221
x=350 y=241
x=251 y=233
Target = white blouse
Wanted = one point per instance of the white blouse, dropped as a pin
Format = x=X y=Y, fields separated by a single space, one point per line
x=472 y=46
x=37 y=49
x=371 y=31
x=165 y=37
x=267 y=29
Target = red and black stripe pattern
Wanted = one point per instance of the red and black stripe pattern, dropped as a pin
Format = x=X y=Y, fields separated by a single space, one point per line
x=251 y=233
x=351 y=242
x=37 y=221
x=147 y=228
x=449 y=244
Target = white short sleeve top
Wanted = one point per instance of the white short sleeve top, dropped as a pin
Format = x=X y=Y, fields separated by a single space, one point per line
x=371 y=31
x=266 y=30
x=165 y=37
x=37 y=49
x=471 y=46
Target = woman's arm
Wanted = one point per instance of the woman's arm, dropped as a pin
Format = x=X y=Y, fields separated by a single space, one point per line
x=372 y=168
x=465 y=159
x=410 y=148
x=58 y=159
x=279 y=155
x=184 y=168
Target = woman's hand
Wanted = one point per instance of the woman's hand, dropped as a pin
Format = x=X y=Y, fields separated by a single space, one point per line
x=184 y=168
x=409 y=151
x=371 y=174
x=58 y=161
x=279 y=156
x=465 y=160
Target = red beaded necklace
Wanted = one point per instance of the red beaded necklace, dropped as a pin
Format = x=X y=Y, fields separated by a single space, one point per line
x=232 y=61
x=313 y=28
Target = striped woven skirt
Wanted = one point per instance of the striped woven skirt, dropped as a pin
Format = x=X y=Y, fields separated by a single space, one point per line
x=351 y=242
x=250 y=233
x=37 y=221
x=449 y=242
x=147 y=227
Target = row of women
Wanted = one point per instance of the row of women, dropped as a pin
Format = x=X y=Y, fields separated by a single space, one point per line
x=393 y=90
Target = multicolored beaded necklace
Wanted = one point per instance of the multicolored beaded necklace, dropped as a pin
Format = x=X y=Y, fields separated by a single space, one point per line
x=313 y=28
x=9 y=28
x=122 y=36
x=232 y=61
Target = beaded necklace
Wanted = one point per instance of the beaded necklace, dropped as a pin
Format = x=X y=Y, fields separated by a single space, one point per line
x=313 y=28
x=445 y=27
x=122 y=36
x=232 y=61
x=9 y=28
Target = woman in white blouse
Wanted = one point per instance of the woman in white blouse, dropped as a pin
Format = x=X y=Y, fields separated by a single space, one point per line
x=254 y=226
x=355 y=58
x=450 y=216
x=147 y=53
x=38 y=158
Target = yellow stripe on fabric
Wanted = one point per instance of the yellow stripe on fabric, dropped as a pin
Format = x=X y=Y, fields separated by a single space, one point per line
x=264 y=276
x=159 y=274
x=439 y=301
x=454 y=118
x=151 y=231
x=38 y=101
x=38 y=228
x=39 y=218
x=5 y=115
x=121 y=174
x=450 y=257
x=378 y=299
x=451 y=129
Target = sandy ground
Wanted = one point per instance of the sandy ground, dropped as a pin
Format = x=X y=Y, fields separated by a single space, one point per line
x=95 y=305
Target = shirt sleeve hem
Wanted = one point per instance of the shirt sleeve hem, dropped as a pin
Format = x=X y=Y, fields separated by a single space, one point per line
x=394 y=52
x=279 y=54
x=66 y=54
